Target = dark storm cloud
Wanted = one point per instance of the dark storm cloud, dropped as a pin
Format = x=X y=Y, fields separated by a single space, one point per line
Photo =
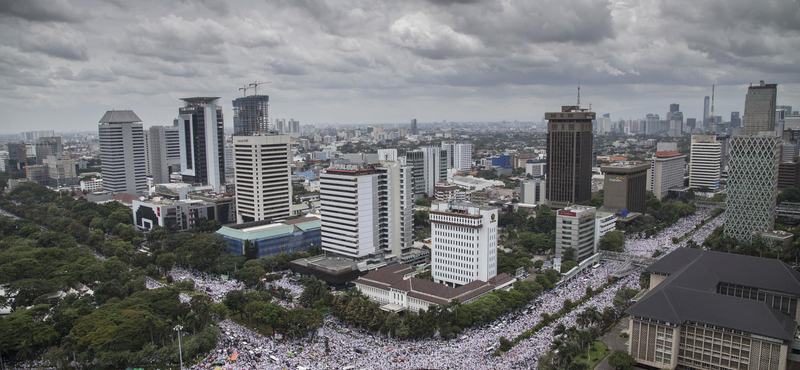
x=58 y=40
x=42 y=10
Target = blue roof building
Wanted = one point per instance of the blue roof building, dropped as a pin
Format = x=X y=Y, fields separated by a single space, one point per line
x=289 y=236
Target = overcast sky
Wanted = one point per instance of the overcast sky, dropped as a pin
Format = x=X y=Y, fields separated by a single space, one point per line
x=63 y=63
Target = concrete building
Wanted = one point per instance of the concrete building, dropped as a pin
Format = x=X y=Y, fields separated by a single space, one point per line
x=202 y=139
x=414 y=129
x=705 y=162
x=47 y=146
x=625 y=187
x=177 y=215
x=667 y=167
x=250 y=115
x=362 y=208
x=652 y=124
x=271 y=238
x=91 y=186
x=62 y=171
x=463 y=243
x=387 y=155
x=575 y=228
x=164 y=148
x=459 y=155
x=263 y=177
x=605 y=222
x=450 y=193
x=759 y=108
x=536 y=168
x=429 y=167
x=397 y=290
x=569 y=156
x=752 y=185
x=712 y=310
x=533 y=191
x=122 y=154
x=39 y=174
x=789 y=174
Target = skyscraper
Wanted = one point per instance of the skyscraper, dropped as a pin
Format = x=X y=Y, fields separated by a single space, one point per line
x=459 y=155
x=47 y=146
x=672 y=109
x=428 y=167
x=250 y=115
x=414 y=130
x=752 y=185
x=569 y=156
x=666 y=169
x=705 y=162
x=759 y=108
x=263 y=177
x=164 y=147
x=652 y=124
x=706 y=112
x=735 y=120
x=202 y=139
x=122 y=155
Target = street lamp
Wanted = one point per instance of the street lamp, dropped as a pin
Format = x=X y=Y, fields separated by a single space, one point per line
x=180 y=351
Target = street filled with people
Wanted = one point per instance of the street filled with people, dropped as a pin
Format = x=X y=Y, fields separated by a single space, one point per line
x=334 y=346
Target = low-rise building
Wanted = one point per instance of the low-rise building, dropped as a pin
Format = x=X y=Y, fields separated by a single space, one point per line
x=289 y=236
x=605 y=222
x=92 y=185
x=713 y=310
x=575 y=229
x=397 y=290
x=172 y=214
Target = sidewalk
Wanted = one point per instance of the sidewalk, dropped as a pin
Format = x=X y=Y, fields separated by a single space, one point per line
x=614 y=342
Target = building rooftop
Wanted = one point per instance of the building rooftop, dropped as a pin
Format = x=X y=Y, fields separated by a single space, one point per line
x=689 y=293
x=261 y=230
x=120 y=116
x=200 y=100
x=394 y=277
x=627 y=169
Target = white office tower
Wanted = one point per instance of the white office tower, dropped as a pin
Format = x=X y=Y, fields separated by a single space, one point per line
x=534 y=192
x=463 y=243
x=705 y=162
x=575 y=228
x=164 y=152
x=147 y=168
x=459 y=155
x=387 y=155
x=349 y=204
x=122 y=155
x=667 y=167
x=759 y=109
x=263 y=177
x=435 y=168
x=752 y=185
x=366 y=210
x=280 y=126
x=395 y=207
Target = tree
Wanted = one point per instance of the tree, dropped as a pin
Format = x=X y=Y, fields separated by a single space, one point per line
x=568 y=254
x=621 y=360
x=250 y=250
x=235 y=301
x=424 y=202
x=613 y=241
x=568 y=265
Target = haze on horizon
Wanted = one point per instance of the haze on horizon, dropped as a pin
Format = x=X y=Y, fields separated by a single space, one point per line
x=63 y=63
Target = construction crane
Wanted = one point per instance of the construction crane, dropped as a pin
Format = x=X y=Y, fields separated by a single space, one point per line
x=255 y=85
x=245 y=88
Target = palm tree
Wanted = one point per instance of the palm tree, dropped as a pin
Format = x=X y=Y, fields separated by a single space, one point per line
x=582 y=319
x=593 y=314
x=560 y=330
x=578 y=365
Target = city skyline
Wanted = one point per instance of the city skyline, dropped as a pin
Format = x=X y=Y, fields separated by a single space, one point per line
x=66 y=62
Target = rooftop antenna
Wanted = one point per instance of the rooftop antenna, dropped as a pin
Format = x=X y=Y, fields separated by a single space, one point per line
x=245 y=90
x=255 y=85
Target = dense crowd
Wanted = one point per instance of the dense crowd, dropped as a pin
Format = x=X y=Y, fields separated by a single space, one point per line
x=214 y=287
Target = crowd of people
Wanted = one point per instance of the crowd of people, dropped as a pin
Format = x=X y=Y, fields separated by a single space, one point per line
x=214 y=287
x=334 y=346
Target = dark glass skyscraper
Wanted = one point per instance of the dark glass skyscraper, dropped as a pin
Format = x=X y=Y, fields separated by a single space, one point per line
x=202 y=139
x=250 y=115
x=569 y=156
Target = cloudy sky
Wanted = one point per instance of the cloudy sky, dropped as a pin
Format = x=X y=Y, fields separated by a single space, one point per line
x=63 y=63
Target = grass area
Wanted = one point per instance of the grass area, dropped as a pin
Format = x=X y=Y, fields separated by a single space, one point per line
x=593 y=356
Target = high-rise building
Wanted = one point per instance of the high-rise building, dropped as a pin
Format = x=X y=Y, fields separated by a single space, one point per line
x=263 y=177
x=752 y=185
x=402 y=132
x=362 y=208
x=164 y=145
x=17 y=157
x=575 y=228
x=250 y=115
x=652 y=124
x=534 y=192
x=202 y=140
x=705 y=162
x=35 y=135
x=759 y=108
x=789 y=174
x=569 y=156
x=672 y=109
x=47 y=146
x=463 y=243
x=122 y=155
x=414 y=129
x=625 y=187
x=735 y=120
x=429 y=167
x=667 y=167
x=459 y=155
x=62 y=171
x=706 y=112
x=280 y=126
x=414 y=159
x=294 y=126
x=691 y=124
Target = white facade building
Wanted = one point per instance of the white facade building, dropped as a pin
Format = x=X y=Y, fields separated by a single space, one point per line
x=263 y=177
x=459 y=155
x=164 y=152
x=705 y=162
x=463 y=243
x=396 y=205
x=387 y=155
x=535 y=169
x=666 y=171
x=534 y=192
x=92 y=185
x=575 y=228
x=122 y=154
x=605 y=223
